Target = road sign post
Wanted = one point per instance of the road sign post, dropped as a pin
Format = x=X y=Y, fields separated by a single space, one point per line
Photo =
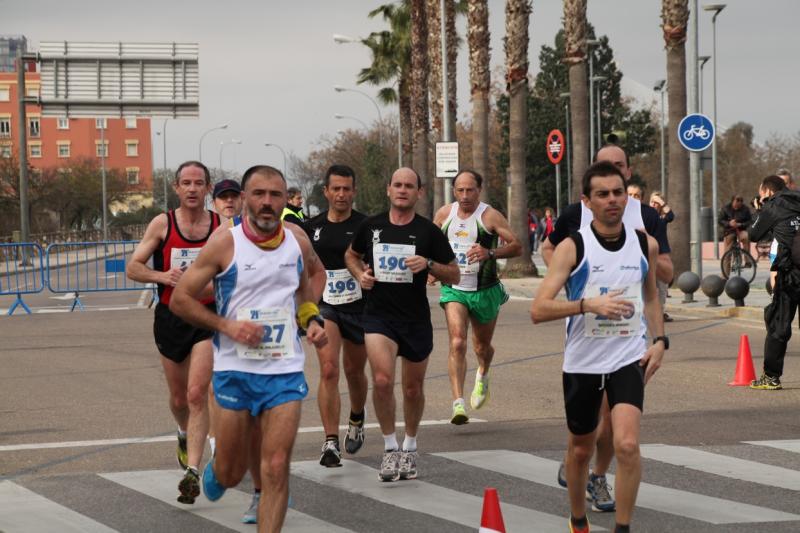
x=555 y=152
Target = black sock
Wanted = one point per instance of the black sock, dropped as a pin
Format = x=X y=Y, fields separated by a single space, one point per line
x=332 y=437
x=579 y=522
x=357 y=418
x=619 y=528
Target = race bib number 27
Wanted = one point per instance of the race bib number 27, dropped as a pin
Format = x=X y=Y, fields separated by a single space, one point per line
x=277 y=341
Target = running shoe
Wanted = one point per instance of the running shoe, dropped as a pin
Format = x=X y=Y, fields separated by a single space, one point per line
x=331 y=456
x=598 y=491
x=250 y=516
x=354 y=438
x=390 y=466
x=211 y=487
x=480 y=394
x=408 y=465
x=459 y=414
x=189 y=486
x=183 y=454
x=561 y=477
x=766 y=382
x=575 y=529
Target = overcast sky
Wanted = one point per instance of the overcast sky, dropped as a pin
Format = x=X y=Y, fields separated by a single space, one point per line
x=268 y=67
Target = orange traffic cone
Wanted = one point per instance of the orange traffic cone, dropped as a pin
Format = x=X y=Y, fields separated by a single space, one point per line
x=745 y=372
x=492 y=518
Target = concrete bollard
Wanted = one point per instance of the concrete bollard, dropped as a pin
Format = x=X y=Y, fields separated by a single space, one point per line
x=688 y=282
x=737 y=288
x=713 y=286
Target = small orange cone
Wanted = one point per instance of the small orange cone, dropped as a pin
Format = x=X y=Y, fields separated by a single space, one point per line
x=745 y=372
x=492 y=518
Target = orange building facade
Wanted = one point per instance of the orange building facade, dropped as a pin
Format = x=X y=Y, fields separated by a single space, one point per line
x=52 y=141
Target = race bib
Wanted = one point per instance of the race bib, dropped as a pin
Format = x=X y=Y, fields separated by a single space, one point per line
x=628 y=326
x=278 y=339
x=461 y=249
x=183 y=257
x=342 y=288
x=390 y=262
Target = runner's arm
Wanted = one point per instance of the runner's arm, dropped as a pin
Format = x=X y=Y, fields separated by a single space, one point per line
x=309 y=293
x=654 y=315
x=446 y=273
x=544 y=306
x=137 y=268
x=547 y=248
x=441 y=215
x=314 y=267
x=355 y=264
x=497 y=223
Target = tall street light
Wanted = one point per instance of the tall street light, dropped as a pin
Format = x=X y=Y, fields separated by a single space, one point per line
x=565 y=96
x=222 y=145
x=342 y=117
x=716 y=8
x=164 y=140
x=340 y=89
x=200 y=144
x=284 y=157
x=701 y=60
x=661 y=87
x=597 y=80
x=589 y=44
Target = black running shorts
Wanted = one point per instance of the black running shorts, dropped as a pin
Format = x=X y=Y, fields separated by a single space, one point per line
x=174 y=337
x=349 y=324
x=414 y=339
x=583 y=395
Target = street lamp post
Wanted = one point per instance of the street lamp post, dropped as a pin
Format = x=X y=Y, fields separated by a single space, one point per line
x=164 y=140
x=598 y=79
x=340 y=117
x=340 y=89
x=284 y=156
x=589 y=44
x=565 y=96
x=222 y=146
x=661 y=86
x=200 y=144
x=702 y=60
x=716 y=8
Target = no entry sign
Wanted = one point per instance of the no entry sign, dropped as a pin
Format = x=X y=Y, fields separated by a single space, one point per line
x=555 y=146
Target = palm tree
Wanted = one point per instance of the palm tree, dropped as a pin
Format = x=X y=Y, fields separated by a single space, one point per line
x=674 y=17
x=452 y=8
x=419 y=99
x=517 y=17
x=391 y=63
x=480 y=81
x=575 y=58
x=435 y=86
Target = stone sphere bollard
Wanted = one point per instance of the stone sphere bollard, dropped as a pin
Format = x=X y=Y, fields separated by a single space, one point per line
x=713 y=286
x=688 y=282
x=737 y=288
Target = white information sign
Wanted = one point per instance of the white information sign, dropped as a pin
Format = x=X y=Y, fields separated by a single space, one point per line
x=447 y=160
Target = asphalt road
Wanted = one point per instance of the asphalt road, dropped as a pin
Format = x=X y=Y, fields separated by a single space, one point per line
x=716 y=458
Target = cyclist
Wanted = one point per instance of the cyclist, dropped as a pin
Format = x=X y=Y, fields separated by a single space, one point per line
x=734 y=219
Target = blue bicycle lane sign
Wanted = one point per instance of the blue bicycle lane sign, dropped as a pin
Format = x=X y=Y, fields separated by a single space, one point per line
x=696 y=132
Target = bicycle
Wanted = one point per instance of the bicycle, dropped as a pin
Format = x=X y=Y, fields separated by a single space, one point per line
x=738 y=261
x=696 y=131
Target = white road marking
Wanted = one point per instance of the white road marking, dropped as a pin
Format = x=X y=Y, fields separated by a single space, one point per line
x=722 y=465
x=24 y=510
x=227 y=511
x=421 y=497
x=171 y=438
x=666 y=500
x=787 y=445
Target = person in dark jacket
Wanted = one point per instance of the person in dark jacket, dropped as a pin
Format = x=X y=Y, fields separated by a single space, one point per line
x=734 y=219
x=780 y=214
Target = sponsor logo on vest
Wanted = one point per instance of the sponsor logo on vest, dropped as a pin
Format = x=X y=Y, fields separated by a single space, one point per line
x=597 y=268
x=629 y=267
x=248 y=267
x=287 y=265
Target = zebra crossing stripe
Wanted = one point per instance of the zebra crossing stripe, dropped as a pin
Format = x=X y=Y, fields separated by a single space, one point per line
x=786 y=445
x=722 y=465
x=25 y=511
x=666 y=500
x=421 y=497
x=162 y=485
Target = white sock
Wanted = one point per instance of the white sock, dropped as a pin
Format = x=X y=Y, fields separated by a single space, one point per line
x=181 y=432
x=212 y=442
x=479 y=376
x=457 y=401
x=410 y=444
x=390 y=442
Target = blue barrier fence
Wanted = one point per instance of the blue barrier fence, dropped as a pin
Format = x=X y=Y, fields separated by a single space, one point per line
x=81 y=267
x=21 y=272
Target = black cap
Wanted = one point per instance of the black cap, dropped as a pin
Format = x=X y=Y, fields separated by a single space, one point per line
x=226 y=185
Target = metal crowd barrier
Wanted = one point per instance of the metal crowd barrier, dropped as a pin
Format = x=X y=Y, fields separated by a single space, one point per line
x=81 y=267
x=21 y=272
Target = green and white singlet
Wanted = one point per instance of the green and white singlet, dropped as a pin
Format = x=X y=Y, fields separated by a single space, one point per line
x=462 y=234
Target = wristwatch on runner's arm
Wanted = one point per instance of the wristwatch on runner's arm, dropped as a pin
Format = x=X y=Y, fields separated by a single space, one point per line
x=663 y=338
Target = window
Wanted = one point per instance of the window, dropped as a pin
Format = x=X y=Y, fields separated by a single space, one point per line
x=33 y=127
x=5 y=127
x=5 y=93
x=32 y=91
x=132 y=148
x=101 y=150
x=133 y=175
x=130 y=123
x=63 y=148
x=100 y=123
x=35 y=150
x=63 y=123
x=5 y=150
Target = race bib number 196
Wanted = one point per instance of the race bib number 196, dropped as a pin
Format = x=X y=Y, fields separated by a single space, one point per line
x=341 y=288
x=390 y=262
x=278 y=338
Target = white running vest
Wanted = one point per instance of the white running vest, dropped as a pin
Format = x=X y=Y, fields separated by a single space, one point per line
x=631 y=218
x=462 y=234
x=259 y=286
x=595 y=344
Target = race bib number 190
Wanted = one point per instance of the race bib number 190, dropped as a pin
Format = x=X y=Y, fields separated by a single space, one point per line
x=390 y=262
x=277 y=341
x=183 y=257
